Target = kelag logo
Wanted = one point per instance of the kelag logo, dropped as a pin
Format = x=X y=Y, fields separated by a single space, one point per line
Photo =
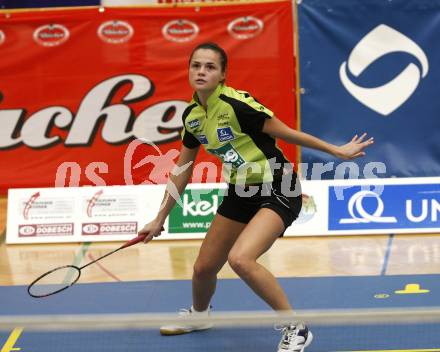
x=395 y=207
x=197 y=211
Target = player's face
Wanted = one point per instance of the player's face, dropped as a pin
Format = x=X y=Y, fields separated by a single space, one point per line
x=205 y=70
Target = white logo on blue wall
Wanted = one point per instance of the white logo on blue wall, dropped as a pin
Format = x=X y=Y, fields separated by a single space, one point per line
x=225 y=134
x=382 y=41
x=360 y=215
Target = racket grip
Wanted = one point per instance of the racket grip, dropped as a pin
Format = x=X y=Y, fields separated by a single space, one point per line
x=135 y=240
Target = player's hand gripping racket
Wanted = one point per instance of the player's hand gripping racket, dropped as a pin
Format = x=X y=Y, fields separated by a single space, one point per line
x=63 y=277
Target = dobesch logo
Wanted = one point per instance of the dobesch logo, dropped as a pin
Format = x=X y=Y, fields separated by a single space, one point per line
x=43 y=230
x=158 y=123
x=51 y=35
x=109 y=228
x=27 y=230
x=180 y=31
x=115 y=32
x=382 y=41
x=245 y=27
x=90 y=229
x=2 y=37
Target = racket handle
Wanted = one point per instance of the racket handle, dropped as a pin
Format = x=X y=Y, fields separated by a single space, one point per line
x=135 y=240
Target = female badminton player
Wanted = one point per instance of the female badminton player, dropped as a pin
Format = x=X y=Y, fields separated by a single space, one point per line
x=263 y=196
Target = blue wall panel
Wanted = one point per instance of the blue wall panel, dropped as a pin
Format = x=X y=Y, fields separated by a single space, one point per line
x=373 y=66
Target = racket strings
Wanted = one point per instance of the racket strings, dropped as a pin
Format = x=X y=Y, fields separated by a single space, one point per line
x=54 y=281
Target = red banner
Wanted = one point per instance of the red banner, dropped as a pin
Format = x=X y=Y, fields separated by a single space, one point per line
x=79 y=88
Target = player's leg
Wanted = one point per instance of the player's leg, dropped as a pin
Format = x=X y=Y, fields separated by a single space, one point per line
x=256 y=238
x=213 y=254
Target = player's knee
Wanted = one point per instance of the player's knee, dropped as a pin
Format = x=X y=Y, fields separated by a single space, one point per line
x=203 y=270
x=240 y=264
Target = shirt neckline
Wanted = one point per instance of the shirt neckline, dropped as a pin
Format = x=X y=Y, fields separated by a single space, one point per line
x=214 y=96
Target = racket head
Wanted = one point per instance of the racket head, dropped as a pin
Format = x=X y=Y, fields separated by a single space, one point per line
x=54 y=281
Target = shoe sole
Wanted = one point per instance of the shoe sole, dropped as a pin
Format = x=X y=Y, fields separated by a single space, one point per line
x=308 y=341
x=173 y=332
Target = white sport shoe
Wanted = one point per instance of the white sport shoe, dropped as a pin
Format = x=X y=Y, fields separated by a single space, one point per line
x=295 y=338
x=184 y=329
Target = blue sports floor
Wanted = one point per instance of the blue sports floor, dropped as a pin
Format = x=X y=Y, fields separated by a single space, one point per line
x=170 y=296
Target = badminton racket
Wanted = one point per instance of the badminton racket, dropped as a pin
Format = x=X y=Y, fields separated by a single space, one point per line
x=63 y=277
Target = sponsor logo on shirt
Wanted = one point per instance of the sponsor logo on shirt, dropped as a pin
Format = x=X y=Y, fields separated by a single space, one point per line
x=194 y=123
x=229 y=155
x=223 y=117
x=225 y=134
x=202 y=138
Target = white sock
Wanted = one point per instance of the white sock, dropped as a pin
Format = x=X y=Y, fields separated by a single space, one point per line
x=204 y=312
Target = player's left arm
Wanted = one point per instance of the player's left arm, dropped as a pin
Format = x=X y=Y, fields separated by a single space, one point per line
x=353 y=149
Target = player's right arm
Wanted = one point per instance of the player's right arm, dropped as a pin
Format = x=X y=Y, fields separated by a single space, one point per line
x=177 y=181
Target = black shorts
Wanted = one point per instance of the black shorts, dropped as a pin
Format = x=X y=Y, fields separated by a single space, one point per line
x=241 y=203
